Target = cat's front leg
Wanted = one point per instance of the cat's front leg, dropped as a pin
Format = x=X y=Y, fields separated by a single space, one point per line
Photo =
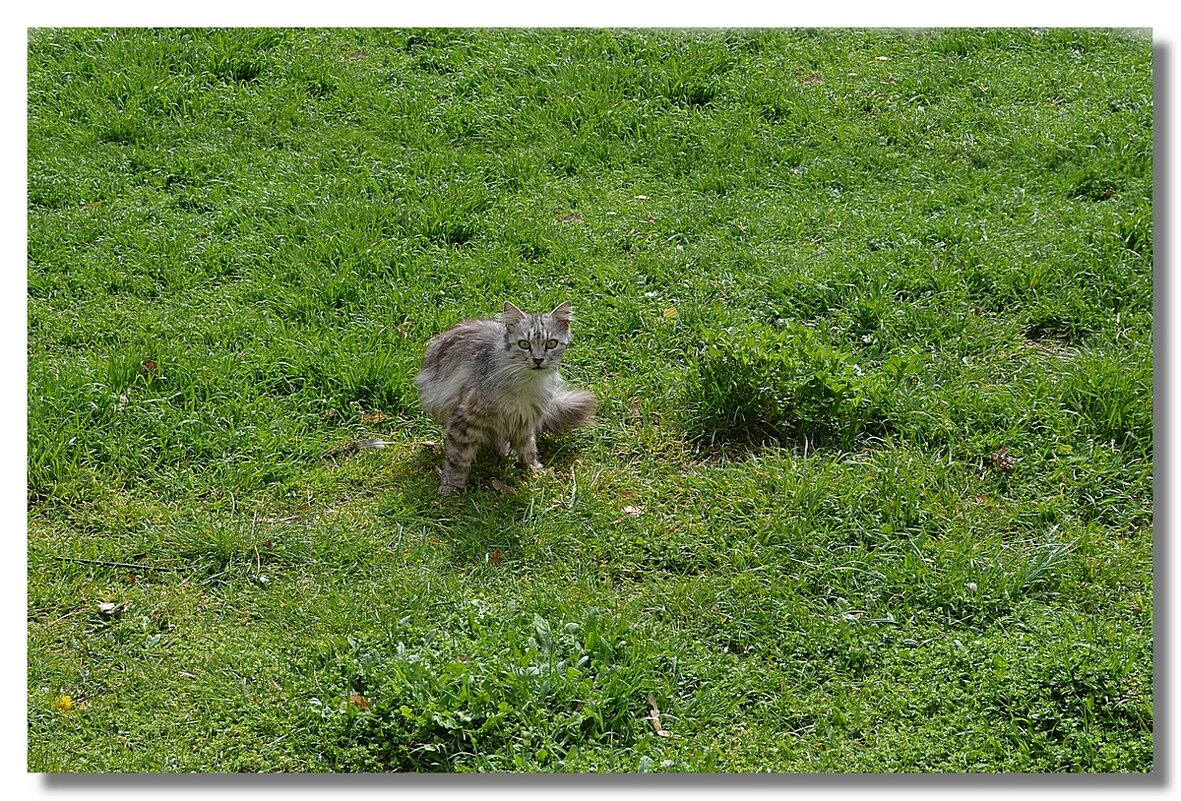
x=461 y=443
x=527 y=452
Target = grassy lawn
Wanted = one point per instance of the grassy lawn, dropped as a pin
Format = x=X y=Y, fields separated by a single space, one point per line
x=869 y=315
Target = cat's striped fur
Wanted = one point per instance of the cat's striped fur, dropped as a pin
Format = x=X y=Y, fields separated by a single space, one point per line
x=496 y=382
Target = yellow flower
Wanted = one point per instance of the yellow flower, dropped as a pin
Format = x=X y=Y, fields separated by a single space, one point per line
x=63 y=703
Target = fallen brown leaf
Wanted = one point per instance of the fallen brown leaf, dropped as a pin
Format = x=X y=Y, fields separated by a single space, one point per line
x=109 y=609
x=359 y=701
x=372 y=418
x=1001 y=460
x=496 y=558
x=654 y=718
x=364 y=445
x=148 y=367
x=628 y=511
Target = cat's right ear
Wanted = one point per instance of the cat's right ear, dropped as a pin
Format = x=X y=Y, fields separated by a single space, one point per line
x=512 y=314
x=562 y=315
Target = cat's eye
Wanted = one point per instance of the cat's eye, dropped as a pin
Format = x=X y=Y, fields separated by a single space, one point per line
x=551 y=344
x=524 y=343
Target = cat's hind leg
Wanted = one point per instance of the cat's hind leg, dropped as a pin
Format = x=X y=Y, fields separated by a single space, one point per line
x=462 y=441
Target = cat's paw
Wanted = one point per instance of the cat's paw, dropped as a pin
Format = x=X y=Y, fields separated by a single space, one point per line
x=536 y=468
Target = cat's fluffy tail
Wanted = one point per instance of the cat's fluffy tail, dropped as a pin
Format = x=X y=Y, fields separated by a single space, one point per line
x=568 y=409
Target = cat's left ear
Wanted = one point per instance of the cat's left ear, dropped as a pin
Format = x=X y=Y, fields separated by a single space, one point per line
x=512 y=315
x=563 y=314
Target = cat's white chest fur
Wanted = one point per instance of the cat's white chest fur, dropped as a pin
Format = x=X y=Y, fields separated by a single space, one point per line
x=522 y=410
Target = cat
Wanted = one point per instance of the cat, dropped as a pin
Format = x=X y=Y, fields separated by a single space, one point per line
x=496 y=382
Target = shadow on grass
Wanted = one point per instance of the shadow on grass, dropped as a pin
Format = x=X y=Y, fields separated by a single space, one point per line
x=492 y=519
x=719 y=450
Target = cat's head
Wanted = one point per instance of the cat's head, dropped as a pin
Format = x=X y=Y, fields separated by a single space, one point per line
x=537 y=341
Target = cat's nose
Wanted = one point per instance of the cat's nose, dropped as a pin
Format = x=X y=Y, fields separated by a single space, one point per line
x=538 y=361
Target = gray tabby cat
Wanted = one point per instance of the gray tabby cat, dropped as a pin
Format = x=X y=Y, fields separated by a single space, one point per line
x=496 y=381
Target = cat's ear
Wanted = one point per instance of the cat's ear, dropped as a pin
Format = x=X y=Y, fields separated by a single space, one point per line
x=512 y=315
x=563 y=314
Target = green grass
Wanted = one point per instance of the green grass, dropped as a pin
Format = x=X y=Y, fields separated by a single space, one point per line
x=869 y=314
